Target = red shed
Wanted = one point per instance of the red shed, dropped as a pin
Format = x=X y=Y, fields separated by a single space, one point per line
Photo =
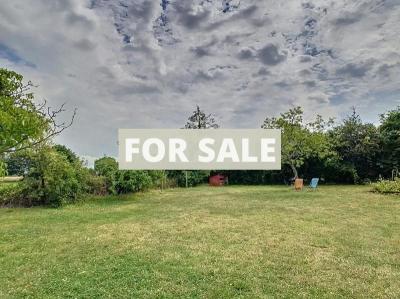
x=217 y=180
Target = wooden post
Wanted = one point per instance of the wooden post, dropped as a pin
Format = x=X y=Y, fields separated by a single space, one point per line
x=186 y=177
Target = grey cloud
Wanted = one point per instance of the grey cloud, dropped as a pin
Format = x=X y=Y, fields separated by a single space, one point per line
x=85 y=45
x=204 y=50
x=79 y=20
x=134 y=88
x=270 y=55
x=245 y=54
x=247 y=12
x=263 y=72
x=354 y=70
x=243 y=14
x=305 y=58
x=188 y=18
x=139 y=55
x=310 y=84
x=207 y=76
x=304 y=73
x=319 y=99
x=284 y=84
x=142 y=10
x=201 y=51
x=347 y=19
x=60 y=5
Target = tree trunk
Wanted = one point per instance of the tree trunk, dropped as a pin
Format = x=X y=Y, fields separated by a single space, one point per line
x=296 y=175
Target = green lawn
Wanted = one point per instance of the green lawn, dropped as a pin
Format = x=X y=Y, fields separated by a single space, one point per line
x=245 y=242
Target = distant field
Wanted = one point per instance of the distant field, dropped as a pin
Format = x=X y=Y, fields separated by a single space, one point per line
x=245 y=242
x=8 y=179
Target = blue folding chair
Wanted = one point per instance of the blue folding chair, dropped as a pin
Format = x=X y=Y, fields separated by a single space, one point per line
x=314 y=183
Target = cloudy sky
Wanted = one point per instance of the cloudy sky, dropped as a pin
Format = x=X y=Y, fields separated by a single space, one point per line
x=146 y=64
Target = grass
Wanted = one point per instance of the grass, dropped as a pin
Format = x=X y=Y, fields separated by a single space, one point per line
x=244 y=242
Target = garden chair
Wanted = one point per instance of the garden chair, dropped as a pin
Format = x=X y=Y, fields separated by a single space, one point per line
x=298 y=184
x=314 y=183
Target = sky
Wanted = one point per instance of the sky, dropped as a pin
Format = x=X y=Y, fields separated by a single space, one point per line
x=147 y=64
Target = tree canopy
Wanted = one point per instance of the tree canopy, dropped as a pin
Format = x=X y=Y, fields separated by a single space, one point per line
x=300 y=140
x=200 y=120
x=24 y=123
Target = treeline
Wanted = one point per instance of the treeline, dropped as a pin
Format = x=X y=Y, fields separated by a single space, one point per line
x=55 y=175
x=350 y=152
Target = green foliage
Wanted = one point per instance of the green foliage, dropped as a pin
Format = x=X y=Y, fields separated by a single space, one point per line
x=300 y=141
x=94 y=184
x=52 y=179
x=66 y=152
x=107 y=167
x=125 y=181
x=357 y=145
x=24 y=124
x=194 y=177
x=12 y=194
x=386 y=186
x=3 y=168
x=18 y=163
x=21 y=121
x=128 y=181
x=389 y=131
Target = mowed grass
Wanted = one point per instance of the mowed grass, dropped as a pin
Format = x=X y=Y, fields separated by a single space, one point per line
x=243 y=242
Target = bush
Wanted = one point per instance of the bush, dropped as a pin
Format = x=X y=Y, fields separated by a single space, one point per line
x=96 y=185
x=12 y=194
x=194 y=177
x=132 y=181
x=108 y=168
x=52 y=179
x=386 y=186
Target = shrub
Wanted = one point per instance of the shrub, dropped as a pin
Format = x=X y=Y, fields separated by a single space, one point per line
x=386 y=186
x=12 y=194
x=132 y=181
x=108 y=168
x=194 y=177
x=96 y=185
x=52 y=180
x=3 y=168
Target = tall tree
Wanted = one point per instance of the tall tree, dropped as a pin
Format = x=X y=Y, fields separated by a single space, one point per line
x=107 y=167
x=23 y=123
x=300 y=140
x=357 y=144
x=200 y=120
x=390 y=138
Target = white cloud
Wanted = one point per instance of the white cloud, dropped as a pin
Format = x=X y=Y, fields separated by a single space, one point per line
x=147 y=64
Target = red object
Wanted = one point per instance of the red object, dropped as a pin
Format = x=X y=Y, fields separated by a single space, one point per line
x=217 y=180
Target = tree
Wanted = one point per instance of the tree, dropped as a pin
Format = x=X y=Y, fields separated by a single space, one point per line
x=24 y=124
x=299 y=140
x=52 y=179
x=68 y=153
x=107 y=167
x=200 y=120
x=390 y=140
x=18 y=163
x=357 y=144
